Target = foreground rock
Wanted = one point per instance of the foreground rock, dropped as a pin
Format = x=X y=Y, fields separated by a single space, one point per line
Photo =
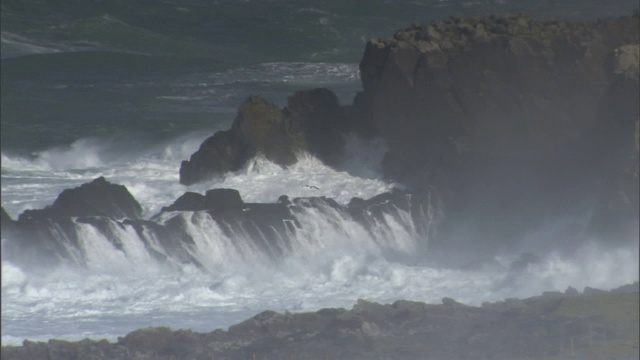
x=603 y=325
x=311 y=122
x=100 y=216
x=47 y=236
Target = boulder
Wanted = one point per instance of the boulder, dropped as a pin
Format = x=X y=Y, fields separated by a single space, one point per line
x=188 y=201
x=215 y=199
x=310 y=122
x=267 y=130
x=223 y=200
x=97 y=198
x=44 y=237
x=218 y=154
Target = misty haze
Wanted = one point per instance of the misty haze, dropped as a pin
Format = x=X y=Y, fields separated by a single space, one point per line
x=296 y=180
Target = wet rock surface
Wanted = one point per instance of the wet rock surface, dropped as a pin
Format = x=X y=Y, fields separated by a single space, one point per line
x=514 y=121
x=512 y=118
x=46 y=236
x=588 y=325
x=617 y=209
x=55 y=235
x=311 y=122
x=499 y=117
x=96 y=198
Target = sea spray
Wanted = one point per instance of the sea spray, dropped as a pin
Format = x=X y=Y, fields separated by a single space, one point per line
x=119 y=302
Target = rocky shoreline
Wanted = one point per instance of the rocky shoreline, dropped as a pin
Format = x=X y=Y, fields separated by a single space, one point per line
x=51 y=236
x=593 y=324
x=497 y=120
x=491 y=120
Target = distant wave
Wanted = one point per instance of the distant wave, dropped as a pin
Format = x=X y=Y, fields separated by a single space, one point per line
x=298 y=73
x=14 y=45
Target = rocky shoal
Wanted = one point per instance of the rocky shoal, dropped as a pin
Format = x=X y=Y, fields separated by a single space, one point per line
x=594 y=324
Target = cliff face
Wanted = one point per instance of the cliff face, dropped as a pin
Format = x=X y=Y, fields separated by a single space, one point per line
x=513 y=122
x=503 y=115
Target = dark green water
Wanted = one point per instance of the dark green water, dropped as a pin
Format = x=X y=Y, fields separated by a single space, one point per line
x=153 y=70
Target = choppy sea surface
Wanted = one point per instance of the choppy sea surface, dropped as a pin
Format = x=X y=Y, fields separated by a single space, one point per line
x=129 y=89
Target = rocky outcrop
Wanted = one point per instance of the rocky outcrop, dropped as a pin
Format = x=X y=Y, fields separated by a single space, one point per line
x=616 y=212
x=97 y=198
x=497 y=86
x=506 y=117
x=595 y=323
x=47 y=236
x=501 y=114
x=67 y=230
x=311 y=122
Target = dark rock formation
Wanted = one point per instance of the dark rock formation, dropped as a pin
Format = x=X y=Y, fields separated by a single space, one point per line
x=6 y=222
x=310 y=122
x=502 y=115
x=267 y=230
x=506 y=117
x=603 y=324
x=97 y=198
x=617 y=209
x=46 y=236
x=512 y=121
x=216 y=200
x=498 y=86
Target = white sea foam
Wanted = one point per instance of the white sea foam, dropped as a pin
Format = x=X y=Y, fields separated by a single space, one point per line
x=116 y=303
x=333 y=261
x=15 y=45
x=291 y=72
x=151 y=175
x=263 y=181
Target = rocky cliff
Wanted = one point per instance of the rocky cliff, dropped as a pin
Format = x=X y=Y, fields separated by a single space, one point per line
x=514 y=121
x=494 y=87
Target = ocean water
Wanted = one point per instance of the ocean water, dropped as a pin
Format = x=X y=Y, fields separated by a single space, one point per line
x=129 y=89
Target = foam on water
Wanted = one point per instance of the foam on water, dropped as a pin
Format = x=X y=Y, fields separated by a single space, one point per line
x=67 y=300
x=15 y=45
x=151 y=175
x=291 y=72
x=35 y=181
x=332 y=262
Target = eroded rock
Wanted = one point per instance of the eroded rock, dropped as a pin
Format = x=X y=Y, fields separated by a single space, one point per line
x=311 y=122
